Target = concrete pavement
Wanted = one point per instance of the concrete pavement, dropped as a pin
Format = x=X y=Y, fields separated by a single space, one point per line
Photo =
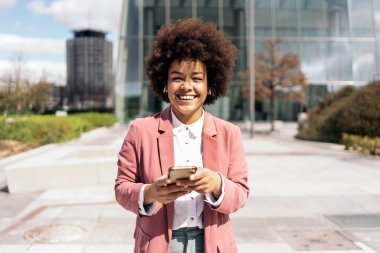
x=306 y=197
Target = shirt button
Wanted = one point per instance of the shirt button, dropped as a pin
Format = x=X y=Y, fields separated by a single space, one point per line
x=187 y=128
x=187 y=161
x=192 y=198
x=192 y=218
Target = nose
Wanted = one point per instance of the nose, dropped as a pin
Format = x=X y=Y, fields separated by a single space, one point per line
x=186 y=84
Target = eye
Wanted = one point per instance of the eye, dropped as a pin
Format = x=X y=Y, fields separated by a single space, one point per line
x=176 y=79
x=197 y=79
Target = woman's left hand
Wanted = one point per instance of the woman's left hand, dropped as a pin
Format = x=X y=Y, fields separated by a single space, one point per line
x=204 y=181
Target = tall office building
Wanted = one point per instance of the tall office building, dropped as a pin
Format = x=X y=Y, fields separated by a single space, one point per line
x=337 y=41
x=89 y=71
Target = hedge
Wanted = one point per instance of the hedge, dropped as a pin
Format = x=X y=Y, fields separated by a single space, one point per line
x=50 y=129
x=351 y=112
x=362 y=144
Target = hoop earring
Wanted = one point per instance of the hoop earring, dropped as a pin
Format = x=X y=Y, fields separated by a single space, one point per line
x=165 y=90
x=209 y=92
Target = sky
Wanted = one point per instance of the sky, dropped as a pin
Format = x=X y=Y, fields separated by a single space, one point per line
x=37 y=31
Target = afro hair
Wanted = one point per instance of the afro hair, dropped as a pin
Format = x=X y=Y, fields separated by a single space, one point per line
x=192 y=39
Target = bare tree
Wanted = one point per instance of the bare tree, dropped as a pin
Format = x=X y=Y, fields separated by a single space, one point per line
x=4 y=105
x=39 y=95
x=18 y=84
x=20 y=94
x=261 y=92
x=277 y=74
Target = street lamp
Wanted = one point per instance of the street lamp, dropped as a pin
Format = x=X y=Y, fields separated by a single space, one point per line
x=251 y=64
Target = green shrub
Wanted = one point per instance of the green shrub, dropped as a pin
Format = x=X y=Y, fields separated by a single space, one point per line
x=355 y=113
x=363 y=144
x=97 y=119
x=50 y=129
x=330 y=100
x=18 y=130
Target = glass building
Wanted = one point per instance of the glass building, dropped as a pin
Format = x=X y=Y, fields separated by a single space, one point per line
x=338 y=42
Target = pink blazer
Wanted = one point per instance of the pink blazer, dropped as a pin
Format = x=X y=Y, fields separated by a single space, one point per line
x=148 y=152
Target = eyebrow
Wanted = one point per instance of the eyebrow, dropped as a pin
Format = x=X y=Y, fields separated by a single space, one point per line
x=180 y=73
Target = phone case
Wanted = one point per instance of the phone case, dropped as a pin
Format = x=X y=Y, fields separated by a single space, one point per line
x=181 y=172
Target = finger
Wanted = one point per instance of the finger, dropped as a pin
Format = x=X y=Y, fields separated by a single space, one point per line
x=197 y=188
x=201 y=172
x=201 y=181
x=175 y=188
x=191 y=188
x=197 y=175
x=185 y=183
x=162 y=180
x=202 y=185
x=172 y=196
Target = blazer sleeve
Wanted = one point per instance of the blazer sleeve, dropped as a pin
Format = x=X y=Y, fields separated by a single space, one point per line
x=128 y=183
x=235 y=182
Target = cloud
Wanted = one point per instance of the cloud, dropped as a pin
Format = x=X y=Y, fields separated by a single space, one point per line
x=32 y=50
x=35 y=69
x=73 y=14
x=17 y=24
x=7 y=4
x=9 y=44
x=95 y=14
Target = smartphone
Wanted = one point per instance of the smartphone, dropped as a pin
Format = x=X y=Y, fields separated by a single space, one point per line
x=180 y=172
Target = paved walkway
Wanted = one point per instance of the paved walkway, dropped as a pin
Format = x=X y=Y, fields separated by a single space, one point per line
x=306 y=197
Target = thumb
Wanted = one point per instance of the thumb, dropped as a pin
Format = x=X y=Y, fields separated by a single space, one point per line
x=197 y=175
x=161 y=181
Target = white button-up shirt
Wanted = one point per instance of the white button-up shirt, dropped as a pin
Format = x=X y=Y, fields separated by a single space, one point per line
x=188 y=209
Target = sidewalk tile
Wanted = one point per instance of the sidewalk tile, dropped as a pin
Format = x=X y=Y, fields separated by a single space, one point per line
x=55 y=248
x=265 y=248
x=122 y=248
x=5 y=248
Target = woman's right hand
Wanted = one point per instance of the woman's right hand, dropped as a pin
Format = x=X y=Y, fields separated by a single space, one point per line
x=162 y=192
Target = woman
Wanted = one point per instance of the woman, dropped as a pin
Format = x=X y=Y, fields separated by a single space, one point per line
x=191 y=65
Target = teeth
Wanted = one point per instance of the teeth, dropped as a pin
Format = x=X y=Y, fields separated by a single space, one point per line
x=186 y=97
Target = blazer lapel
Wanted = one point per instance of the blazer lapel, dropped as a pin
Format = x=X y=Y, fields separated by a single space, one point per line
x=166 y=156
x=165 y=141
x=209 y=143
x=210 y=161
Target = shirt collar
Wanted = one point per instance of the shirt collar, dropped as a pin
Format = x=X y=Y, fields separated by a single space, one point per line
x=194 y=128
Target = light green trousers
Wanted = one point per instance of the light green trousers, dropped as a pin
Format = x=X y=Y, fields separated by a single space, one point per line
x=187 y=240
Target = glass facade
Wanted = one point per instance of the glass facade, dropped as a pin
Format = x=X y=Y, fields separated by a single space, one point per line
x=338 y=42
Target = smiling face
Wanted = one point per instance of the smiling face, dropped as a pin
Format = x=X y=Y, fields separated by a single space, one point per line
x=187 y=89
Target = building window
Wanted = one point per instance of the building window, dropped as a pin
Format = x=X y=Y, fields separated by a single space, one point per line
x=338 y=61
x=377 y=16
x=285 y=17
x=180 y=9
x=313 y=61
x=360 y=18
x=312 y=22
x=208 y=10
x=263 y=18
x=363 y=60
x=337 y=18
